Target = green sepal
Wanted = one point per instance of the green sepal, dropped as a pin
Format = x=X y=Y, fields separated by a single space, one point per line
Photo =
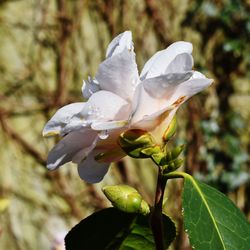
x=134 y=141
x=172 y=165
x=158 y=158
x=126 y=199
x=151 y=150
x=177 y=151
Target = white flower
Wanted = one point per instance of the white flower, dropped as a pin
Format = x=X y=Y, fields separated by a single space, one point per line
x=118 y=99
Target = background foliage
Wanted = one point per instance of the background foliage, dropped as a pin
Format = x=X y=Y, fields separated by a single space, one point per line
x=48 y=47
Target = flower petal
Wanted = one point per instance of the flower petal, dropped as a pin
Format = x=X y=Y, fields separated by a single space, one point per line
x=152 y=121
x=156 y=94
x=65 y=120
x=160 y=87
x=110 y=125
x=119 y=43
x=119 y=74
x=159 y=62
x=187 y=89
x=105 y=106
x=65 y=150
x=182 y=63
x=92 y=171
x=153 y=98
x=89 y=87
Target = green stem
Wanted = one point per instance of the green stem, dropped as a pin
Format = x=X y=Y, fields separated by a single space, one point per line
x=156 y=214
x=175 y=175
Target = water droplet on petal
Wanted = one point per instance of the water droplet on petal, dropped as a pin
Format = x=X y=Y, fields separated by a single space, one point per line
x=103 y=134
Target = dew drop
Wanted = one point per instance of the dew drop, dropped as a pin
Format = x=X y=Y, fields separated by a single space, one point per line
x=103 y=134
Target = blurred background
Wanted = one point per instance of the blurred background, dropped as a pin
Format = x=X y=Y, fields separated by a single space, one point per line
x=47 y=47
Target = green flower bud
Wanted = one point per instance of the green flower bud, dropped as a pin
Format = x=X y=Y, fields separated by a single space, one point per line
x=177 y=151
x=170 y=131
x=126 y=199
x=172 y=165
x=134 y=141
x=173 y=154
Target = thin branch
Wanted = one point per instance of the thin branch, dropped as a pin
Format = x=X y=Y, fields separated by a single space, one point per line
x=156 y=215
x=22 y=142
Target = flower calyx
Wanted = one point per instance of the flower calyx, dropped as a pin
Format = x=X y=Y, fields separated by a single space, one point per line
x=126 y=199
x=137 y=143
x=172 y=160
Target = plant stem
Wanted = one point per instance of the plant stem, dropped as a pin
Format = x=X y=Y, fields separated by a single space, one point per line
x=156 y=214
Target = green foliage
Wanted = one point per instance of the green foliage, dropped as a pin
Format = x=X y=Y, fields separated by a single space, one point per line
x=226 y=158
x=211 y=220
x=112 y=229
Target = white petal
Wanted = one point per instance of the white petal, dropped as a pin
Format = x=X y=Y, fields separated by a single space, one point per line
x=119 y=43
x=153 y=98
x=187 y=89
x=147 y=103
x=110 y=125
x=105 y=106
x=119 y=74
x=182 y=63
x=69 y=146
x=161 y=86
x=159 y=62
x=159 y=130
x=152 y=121
x=89 y=87
x=92 y=171
x=65 y=120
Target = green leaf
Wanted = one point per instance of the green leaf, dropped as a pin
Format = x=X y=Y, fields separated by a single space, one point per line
x=211 y=220
x=112 y=229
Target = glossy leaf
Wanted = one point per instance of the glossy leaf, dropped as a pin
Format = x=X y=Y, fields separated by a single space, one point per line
x=211 y=220
x=112 y=229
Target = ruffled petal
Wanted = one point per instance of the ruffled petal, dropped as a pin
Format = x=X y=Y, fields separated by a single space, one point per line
x=119 y=43
x=158 y=63
x=119 y=74
x=92 y=171
x=187 y=89
x=156 y=94
x=105 y=106
x=89 y=87
x=152 y=96
x=152 y=121
x=161 y=86
x=65 y=150
x=66 y=119
x=182 y=63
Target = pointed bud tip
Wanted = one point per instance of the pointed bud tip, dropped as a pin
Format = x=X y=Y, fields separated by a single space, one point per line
x=170 y=131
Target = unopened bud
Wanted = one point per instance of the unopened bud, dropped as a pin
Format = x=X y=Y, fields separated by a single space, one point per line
x=170 y=131
x=126 y=199
x=177 y=151
x=173 y=165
